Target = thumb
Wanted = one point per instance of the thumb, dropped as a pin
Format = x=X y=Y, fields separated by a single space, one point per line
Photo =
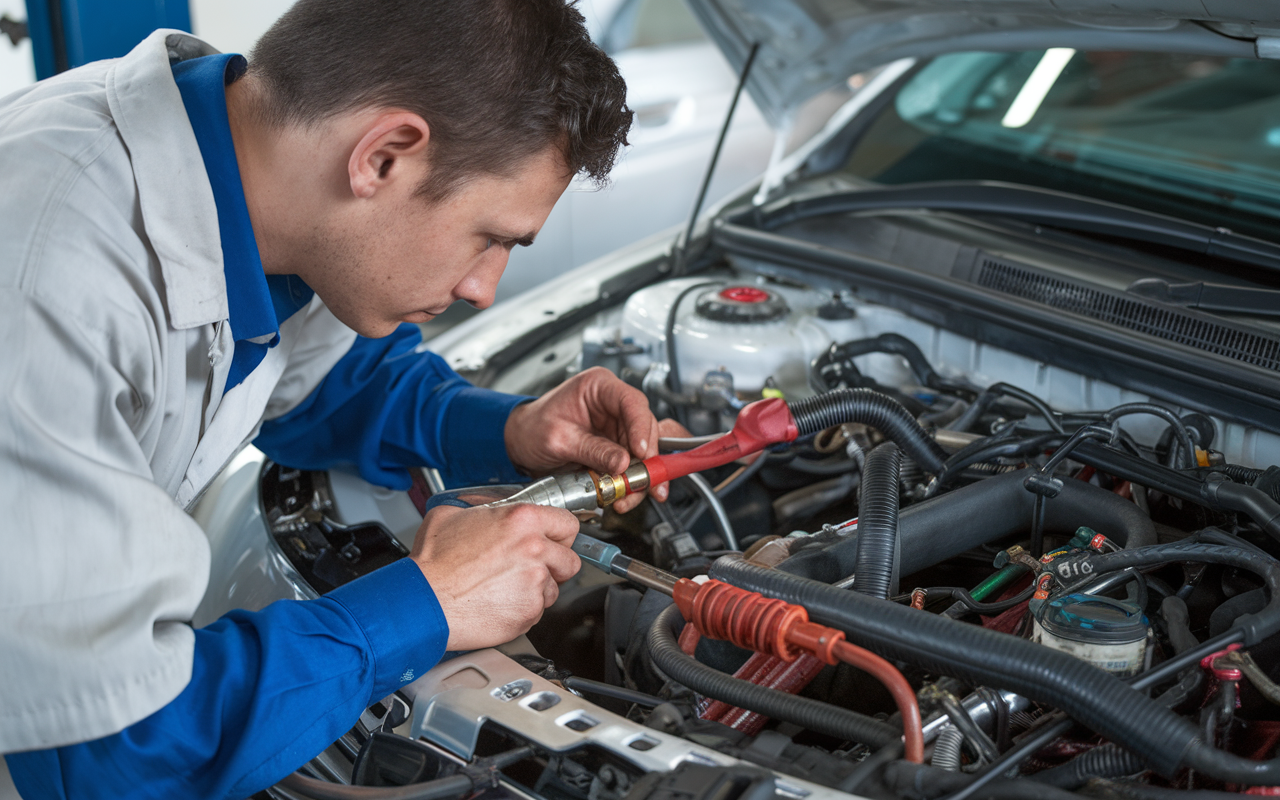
x=601 y=454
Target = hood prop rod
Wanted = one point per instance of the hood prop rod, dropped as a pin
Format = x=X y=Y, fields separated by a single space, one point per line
x=682 y=256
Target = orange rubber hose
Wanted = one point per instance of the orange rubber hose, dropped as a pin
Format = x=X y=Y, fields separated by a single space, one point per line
x=903 y=696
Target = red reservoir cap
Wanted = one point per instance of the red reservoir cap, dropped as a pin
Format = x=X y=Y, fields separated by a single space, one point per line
x=744 y=294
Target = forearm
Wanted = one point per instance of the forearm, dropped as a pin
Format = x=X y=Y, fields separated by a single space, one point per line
x=269 y=690
x=384 y=407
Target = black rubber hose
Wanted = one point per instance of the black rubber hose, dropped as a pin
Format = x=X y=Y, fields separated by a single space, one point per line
x=901 y=346
x=811 y=714
x=991 y=448
x=1176 y=424
x=996 y=390
x=945 y=526
x=588 y=686
x=438 y=789
x=1105 y=761
x=1214 y=491
x=983 y=657
x=878 y=551
x=875 y=409
x=1178 y=622
x=1094 y=698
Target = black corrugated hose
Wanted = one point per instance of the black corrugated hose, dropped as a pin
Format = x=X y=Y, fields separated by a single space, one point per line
x=983 y=657
x=870 y=408
x=811 y=714
x=878 y=554
x=1104 y=761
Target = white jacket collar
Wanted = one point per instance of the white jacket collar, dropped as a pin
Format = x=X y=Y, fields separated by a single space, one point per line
x=178 y=211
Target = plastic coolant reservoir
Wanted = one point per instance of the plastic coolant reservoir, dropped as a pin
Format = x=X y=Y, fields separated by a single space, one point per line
x=754 y=329
x=1110 y=634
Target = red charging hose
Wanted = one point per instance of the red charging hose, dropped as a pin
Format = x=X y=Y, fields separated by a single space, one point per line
x=782 y=630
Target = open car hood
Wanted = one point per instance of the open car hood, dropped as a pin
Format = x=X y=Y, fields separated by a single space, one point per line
x=807 y=46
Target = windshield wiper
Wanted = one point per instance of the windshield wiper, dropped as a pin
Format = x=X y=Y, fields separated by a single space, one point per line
x=1211 y=296
x=1031 y=204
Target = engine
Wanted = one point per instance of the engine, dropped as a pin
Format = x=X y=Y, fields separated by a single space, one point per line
x=1032 y=582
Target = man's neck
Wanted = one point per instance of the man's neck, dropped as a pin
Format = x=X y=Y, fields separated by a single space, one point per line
x=281 y=170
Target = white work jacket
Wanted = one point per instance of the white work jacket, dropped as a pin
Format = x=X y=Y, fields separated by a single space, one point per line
x=114 y=352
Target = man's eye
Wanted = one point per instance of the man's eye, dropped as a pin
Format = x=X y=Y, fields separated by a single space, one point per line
x=488 y=243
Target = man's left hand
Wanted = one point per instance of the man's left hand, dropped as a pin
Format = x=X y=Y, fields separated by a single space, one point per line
x=593 y=419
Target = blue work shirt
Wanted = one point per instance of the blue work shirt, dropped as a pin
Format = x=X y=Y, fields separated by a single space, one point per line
x=271 y=689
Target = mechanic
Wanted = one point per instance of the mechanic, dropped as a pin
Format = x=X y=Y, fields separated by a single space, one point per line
x=201 y=252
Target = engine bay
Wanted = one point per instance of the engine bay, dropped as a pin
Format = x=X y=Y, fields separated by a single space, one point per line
x=1070 y=585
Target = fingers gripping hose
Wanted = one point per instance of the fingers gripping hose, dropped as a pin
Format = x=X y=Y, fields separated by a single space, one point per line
x=878 y=553
x=870 y=408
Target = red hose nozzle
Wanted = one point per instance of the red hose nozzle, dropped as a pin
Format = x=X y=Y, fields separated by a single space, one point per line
x=759 y=424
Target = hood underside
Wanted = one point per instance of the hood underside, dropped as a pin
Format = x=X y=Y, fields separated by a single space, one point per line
x=808 y=46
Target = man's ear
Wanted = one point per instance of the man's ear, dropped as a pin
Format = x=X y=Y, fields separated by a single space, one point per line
x=380 y=156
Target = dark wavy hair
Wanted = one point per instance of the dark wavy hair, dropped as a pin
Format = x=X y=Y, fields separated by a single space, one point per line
x=497 y=81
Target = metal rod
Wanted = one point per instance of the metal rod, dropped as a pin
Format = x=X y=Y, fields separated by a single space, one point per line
x=643 y=574
x=715 y=157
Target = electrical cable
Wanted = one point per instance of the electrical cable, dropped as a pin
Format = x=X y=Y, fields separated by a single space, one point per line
x=1175 y=423
x=989 y=449
x=479 y=774
x=588 y=686
x=740 y=477
x=984 y=400
x=439 y=789
x=718 y=513
x=673 y=366
x=963 y=597
x=671 y=444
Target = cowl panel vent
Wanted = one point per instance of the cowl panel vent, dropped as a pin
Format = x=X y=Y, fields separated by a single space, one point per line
x=1132 y=313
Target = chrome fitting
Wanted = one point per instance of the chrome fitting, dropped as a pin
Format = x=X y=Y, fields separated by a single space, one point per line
x=573 y=492
x=636 y=478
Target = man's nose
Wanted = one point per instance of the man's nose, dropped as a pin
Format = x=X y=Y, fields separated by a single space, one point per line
x=480 y=285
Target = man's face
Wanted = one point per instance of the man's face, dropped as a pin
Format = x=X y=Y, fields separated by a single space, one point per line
x=403 y=259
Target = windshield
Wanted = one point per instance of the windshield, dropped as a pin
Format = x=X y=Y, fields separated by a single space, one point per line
x=1186 y=135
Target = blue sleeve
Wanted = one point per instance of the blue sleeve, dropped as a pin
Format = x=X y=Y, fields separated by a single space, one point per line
x=386 y=406
x=269 y=691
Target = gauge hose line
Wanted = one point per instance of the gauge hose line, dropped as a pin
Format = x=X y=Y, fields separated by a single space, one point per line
x=880 y=411
x=811 y=714
x=878 y=553
x=984 y=657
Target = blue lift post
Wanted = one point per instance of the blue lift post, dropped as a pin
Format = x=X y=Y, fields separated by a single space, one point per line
x=68 y=33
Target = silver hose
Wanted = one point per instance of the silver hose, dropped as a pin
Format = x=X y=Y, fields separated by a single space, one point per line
x=946 y=749
x=717 y=510
x=667 y=444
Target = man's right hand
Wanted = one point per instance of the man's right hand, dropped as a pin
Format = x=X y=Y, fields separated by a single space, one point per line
x=495 y=570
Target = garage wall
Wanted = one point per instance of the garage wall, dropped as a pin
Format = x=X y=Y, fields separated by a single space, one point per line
x=17 y=69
